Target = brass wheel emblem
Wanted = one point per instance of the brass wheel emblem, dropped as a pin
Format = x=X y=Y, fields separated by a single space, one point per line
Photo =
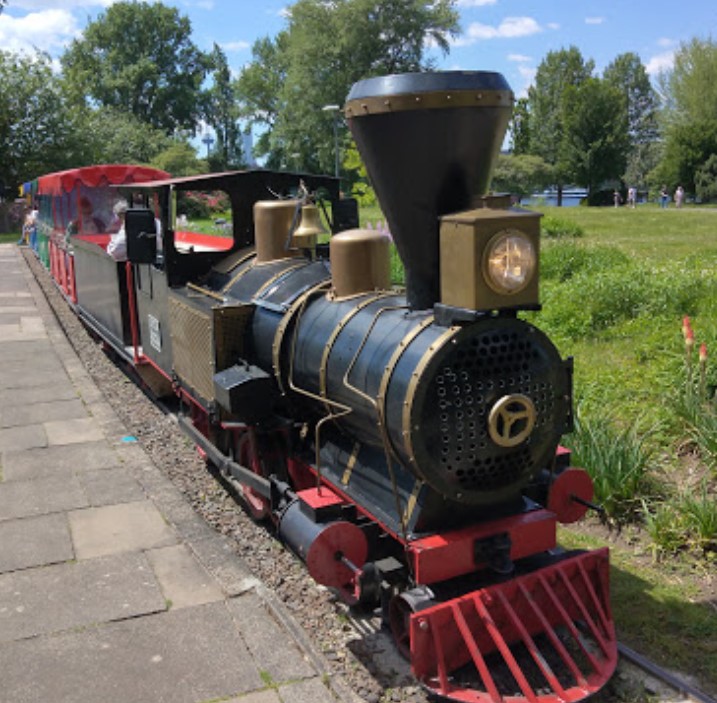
x=511 y=420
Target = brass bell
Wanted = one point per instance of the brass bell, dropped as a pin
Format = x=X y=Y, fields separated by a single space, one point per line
x=307 y=232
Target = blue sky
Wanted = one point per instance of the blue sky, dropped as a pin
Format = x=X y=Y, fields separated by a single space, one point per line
x=509 y=36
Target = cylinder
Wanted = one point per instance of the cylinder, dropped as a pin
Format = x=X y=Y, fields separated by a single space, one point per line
x=360 y=262
x=322 y=544
x=272 y=223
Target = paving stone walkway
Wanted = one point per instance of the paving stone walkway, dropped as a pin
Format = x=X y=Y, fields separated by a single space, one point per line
x=112 y=590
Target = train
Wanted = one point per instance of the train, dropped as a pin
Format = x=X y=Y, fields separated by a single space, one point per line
x=405 y=443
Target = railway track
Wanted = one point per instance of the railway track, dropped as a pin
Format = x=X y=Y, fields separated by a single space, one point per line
x=664 y=676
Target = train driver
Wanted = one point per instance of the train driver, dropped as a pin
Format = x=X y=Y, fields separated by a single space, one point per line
x=117 y=247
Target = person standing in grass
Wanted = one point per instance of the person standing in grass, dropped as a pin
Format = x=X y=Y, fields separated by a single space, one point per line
x=632 y=196
x=664 y=196
x=679 y=196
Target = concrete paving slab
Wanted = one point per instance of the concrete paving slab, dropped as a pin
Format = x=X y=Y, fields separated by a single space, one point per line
x=18 y=438
x=35 y=541
x=72 y=431
x=29 y=380
x=16 y=397
x=184 y=581
x=22 y=351
x=63 y=596
x=187 y=523
x=308 y=691
x=36 y=413
x=45 y=363
x=183 y=656
x=105 y=487
x=119 y=528
x=219 y=559
x=261 y=633
x=58 y=459
x=19 y=499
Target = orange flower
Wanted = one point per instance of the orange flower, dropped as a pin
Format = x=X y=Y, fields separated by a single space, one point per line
x=703 y=353
x=686 y=326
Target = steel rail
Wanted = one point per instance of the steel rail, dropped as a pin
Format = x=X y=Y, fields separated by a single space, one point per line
x=663 y=675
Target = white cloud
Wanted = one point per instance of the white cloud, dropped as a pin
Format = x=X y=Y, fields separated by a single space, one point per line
x=659 y=63
x=236 y=45
x=594 y=20
x=519 y=58
x=475 y=3
x=664 y=41
x=57 y=4
x=552 y=25
x=509 y=28
x=47 y=30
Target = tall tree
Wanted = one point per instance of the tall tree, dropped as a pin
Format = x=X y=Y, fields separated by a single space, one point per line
x=38 y=131
x=139 y=57
x=519 y=127
x=326 y=47
x=556 y=72
x=689 y=93
x=221 y=112
x=595 y=137
x=628 y=74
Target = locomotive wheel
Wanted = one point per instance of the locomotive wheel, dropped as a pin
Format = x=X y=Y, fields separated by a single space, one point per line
x=400 y=610
x=247 y=455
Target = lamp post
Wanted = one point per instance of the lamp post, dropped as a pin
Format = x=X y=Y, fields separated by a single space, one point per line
x=208 y=139
x=335 y=109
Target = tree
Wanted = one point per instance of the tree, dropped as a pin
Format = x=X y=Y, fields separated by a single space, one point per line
x=180 y=159
x=595 y=137
x=139 y=57
x=706 y=180
x=690 y=87
x=519 y=127
x=687 y=148
x=326 y=47
x=690 y=116
x=221 y=112
x=628 y=74
x=38 y=131
x=556 y=72
x=108 y=135
x=521 y=174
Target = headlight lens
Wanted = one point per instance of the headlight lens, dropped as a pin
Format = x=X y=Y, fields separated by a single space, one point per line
x=509 y=262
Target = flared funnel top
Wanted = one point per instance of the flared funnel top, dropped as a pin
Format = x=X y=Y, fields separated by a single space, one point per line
x=429 y=142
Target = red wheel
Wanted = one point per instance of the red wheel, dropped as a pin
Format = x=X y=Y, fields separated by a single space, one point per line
x=246 y=455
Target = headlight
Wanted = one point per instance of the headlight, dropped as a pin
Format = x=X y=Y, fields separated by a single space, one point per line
x=509 y=262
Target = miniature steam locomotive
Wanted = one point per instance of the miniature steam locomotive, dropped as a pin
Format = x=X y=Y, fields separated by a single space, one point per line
x=405 y=444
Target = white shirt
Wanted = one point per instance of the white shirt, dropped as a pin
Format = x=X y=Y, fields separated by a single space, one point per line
x=117 y=247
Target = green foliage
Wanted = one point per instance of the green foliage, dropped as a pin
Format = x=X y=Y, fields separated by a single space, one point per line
x=595 y=136
x=592 y=300
x=221 y=111
x=324 y=50
x=687 y=147
x=38 y=130
x=202 y=205
x=557 y=71
x=627 y=74
x=706 y=180
x=521 y=174
x=113 y=136
x=665 y=526
x=619 y=462
x=139 y=57
x=557 y=228
x=179 y=159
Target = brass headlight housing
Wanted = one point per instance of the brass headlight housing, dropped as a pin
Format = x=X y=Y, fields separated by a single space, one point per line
x=509 y=262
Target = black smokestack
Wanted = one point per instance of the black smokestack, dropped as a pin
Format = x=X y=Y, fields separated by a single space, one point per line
x=429 y=141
